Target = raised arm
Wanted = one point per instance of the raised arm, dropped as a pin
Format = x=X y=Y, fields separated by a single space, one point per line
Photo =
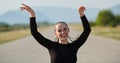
x=86 y=25
x=84 y=35
x=33 y=28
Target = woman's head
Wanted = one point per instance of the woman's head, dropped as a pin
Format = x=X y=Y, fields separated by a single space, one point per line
x=62 y=32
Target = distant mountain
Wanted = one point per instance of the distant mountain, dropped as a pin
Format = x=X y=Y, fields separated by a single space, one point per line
x=58 y=13
x=67 y=14
x=52 y=15
x=17 y=16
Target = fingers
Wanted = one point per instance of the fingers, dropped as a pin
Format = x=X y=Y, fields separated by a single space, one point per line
x=24 y=7
x=21 y=8
x=82 y=8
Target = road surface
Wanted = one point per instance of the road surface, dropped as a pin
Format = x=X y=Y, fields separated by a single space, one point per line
x=97 y=49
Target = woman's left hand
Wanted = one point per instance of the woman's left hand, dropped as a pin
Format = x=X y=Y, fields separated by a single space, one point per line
x=81 y=10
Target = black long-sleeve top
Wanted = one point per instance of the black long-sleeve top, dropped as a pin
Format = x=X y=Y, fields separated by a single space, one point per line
x=61 y=53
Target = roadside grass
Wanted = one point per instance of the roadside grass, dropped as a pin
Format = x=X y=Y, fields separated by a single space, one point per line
x=12 y=35
x=17 y=34
x=111 y=32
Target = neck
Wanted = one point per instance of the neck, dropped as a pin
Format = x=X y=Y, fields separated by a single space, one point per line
x=63 y=42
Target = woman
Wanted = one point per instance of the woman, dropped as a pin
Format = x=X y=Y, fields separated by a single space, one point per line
x=61 y=51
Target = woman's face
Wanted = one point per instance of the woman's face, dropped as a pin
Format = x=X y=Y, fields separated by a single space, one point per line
x=62 y=31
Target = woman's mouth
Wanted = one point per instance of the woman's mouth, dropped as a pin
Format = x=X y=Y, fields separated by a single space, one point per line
x=63 y=36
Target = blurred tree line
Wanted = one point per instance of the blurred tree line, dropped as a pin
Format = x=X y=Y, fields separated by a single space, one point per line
x=7 y=27
x=106 y=18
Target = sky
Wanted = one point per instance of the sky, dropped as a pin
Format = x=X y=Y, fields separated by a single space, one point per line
x=8 y=5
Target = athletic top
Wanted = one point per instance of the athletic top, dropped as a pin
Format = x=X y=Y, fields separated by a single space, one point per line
x=61 y=53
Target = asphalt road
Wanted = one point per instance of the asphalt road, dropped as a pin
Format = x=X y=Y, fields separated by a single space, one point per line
x=97 y=49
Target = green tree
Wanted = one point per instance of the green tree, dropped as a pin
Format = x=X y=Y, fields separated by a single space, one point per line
x=2 y=24
x=4 y=27
x=117 y=20
x=92 y=23
x=105 y=18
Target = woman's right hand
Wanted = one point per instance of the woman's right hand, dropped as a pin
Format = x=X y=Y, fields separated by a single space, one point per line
x=28 y=9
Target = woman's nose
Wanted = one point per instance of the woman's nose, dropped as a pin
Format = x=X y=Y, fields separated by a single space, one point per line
x=63 y=32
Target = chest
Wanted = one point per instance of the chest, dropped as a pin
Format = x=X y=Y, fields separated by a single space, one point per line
x=63 y=50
